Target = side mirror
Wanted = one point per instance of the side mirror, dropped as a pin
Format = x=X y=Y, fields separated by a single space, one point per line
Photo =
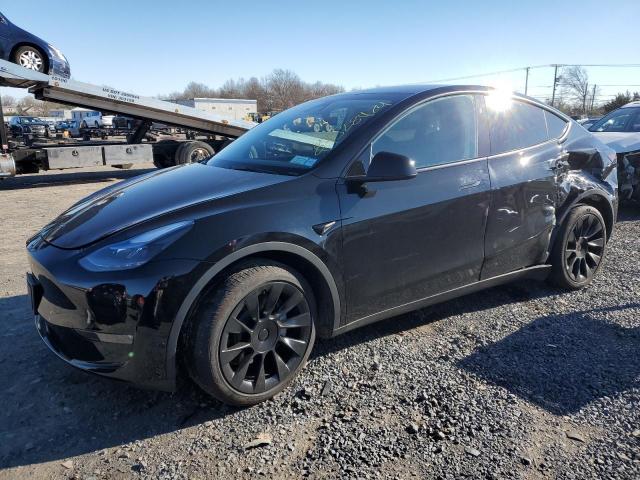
x=387 y=166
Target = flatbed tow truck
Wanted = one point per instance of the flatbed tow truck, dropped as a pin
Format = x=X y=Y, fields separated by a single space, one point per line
x=29 y=155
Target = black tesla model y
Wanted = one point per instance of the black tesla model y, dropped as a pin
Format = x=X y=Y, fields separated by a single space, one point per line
x=334 y=214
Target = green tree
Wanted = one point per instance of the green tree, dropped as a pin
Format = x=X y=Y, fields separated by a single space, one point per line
x=620 y=100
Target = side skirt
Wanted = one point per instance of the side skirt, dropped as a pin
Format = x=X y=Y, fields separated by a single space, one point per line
x=538 y=272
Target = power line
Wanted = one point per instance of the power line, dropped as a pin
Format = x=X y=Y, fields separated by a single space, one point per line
x=523 y=69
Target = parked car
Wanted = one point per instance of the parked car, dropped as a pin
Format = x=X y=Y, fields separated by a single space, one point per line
x=120 y=121
x=22 y=125
x=230 y=267
x=62 y=125
x=107 y=120
x=70 y=126
x=21 y=47
x=620 y=130
x=587 y=122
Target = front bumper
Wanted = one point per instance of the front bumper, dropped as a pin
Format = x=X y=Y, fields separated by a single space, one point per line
x=99 y=323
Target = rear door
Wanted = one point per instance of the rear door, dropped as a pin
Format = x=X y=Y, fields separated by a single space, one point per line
x=523 y=167
x=409 y=239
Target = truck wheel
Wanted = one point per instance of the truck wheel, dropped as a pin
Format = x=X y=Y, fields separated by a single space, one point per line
x=252 y=335
x=191 y=152
x=31 y=58
x=579 y=248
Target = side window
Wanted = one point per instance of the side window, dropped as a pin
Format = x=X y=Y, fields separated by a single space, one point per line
x=634 y=125
x=518 y=126
x=555 y=125
x=440 y=131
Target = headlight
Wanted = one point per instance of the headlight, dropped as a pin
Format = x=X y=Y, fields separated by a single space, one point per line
x=56 y=52
x=135 y=251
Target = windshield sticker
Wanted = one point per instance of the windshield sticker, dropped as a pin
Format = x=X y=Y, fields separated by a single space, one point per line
x=302 y=138
x=304 y=161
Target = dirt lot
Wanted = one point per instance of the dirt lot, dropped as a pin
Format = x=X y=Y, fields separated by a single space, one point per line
x=521 y=381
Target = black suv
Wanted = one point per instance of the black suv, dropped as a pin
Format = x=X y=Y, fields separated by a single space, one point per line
x=20 y=127
x=232 y=266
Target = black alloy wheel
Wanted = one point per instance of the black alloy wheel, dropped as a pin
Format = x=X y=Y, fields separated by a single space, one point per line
x=585 y=247
x=252 y=333
x=265 y=338
x=579 y=249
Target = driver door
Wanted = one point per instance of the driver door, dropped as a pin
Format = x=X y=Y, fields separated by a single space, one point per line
x=406 y=240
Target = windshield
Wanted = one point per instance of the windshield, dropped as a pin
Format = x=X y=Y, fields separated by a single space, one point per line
x=28 y=120
x=621 y=120
x=294 y=141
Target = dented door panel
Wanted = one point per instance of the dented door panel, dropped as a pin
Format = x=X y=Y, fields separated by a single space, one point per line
x=523 y=210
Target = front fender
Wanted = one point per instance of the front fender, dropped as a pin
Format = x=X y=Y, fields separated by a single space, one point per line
x=226 y=261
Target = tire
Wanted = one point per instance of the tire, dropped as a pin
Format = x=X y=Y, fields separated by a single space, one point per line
x=271 y=355
x=579 y=249
x=191 y=152
x=83 y=124
x=96 y=124
x=31 y=58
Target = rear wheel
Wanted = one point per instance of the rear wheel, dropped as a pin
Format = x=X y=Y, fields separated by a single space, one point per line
x=251 y=338
x=31 y=58
x=191 y=152
x=579 y=249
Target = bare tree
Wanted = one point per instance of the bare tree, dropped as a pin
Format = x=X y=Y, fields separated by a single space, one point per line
x=231 y=88
x=29 y=106
x=575 y=83
x=285 y=89
x=255 y=90
x=8 y=101
x=279 y=90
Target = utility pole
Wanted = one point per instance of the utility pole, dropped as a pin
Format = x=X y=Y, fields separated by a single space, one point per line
x=555 y=81
x=584 y=99
x=526 y=81
x=593 y=98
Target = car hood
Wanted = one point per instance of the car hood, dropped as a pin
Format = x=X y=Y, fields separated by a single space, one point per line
x=621 y=142
x=149 y=196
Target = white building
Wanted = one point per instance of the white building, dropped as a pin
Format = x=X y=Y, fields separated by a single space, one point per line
x=60 y=113
x=230 y=108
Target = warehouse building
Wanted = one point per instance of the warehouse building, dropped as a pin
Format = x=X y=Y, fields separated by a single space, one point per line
x=230 y=108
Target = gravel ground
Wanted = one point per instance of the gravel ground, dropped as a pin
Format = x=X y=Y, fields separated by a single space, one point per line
x=520 y=381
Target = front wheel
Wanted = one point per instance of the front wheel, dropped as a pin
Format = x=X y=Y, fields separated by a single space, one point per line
x=252 y=337
x=579 y=249
x=31 y=58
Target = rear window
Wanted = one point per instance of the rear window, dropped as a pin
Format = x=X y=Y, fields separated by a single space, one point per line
x=518 y=126
x=555 y=125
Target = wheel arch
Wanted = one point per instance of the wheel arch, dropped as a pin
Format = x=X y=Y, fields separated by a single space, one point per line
x=596 y=199
x=299 y=258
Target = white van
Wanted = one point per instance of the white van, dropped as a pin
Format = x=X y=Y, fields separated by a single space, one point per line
x=91 y=118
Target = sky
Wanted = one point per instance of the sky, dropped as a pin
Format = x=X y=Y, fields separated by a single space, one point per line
x=156 y=47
